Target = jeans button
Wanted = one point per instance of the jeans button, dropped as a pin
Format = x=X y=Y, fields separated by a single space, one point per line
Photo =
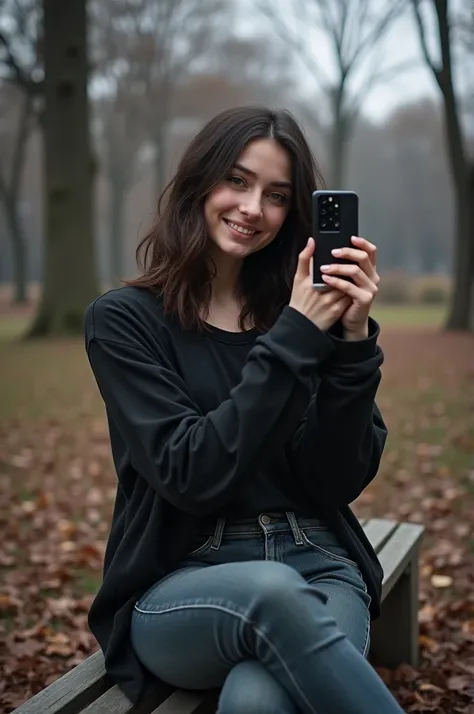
x=266 y=520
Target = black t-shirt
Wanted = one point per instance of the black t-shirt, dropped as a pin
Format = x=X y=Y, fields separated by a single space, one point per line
x=212 y=423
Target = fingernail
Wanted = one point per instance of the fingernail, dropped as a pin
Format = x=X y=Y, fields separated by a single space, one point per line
x=336 y=251
x=325 y=267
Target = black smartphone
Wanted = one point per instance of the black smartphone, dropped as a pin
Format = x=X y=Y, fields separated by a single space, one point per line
x=335 y=221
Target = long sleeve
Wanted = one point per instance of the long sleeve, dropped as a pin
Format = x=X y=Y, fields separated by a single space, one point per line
x=197 y=461
x=336 y=449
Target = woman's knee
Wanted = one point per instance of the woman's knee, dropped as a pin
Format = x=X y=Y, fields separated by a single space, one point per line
x=250 y=689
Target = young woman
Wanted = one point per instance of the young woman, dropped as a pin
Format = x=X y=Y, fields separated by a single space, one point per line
x=242 y=419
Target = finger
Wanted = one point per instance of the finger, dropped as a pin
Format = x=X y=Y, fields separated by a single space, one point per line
x=353 y=271
x=369 y=248
x=333 y=296
x=360 y=257
x=358 y=294
x=354 y=255
x=304 y=259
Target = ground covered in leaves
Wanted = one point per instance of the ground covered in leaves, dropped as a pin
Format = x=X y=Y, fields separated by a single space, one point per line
x=57 y=487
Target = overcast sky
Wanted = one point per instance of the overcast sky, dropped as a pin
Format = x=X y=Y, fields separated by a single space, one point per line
x=401 y=44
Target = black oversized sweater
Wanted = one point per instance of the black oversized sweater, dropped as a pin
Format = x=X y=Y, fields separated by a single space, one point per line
x=210 y=423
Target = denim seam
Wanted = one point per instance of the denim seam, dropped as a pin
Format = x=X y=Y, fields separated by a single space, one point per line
x=248 y=622
x=202 y=547
x=367 y=637
x=328 y=553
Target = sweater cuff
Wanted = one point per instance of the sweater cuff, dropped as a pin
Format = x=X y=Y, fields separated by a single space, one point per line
x=348 y=352
x=298 y=342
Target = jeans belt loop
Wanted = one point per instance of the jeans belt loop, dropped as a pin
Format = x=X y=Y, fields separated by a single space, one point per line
x=295 y=529
x=218 y=533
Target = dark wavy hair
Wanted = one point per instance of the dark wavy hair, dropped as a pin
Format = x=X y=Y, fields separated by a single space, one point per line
x=174 y=257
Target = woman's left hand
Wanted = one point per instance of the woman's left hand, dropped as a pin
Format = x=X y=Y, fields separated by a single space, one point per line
x=363 y=290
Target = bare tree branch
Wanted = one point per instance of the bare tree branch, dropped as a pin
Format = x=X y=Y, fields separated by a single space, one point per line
x=353 y=28
x=294 y=42
x=422 y=35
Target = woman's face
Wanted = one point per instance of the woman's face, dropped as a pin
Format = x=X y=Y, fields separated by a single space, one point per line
x=245 y=211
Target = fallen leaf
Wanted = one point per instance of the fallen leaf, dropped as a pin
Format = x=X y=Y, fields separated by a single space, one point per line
x=441 y=581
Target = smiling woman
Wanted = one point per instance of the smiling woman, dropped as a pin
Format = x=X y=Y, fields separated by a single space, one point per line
x=242 y=417
x=248 y=173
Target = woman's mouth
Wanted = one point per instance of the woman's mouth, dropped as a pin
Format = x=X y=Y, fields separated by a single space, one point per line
x=240 y=230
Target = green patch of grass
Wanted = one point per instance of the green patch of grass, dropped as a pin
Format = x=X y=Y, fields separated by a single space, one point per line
x=87 y=581
x=25 y=494
x=13 y=327
x=409 y=315
x=46 y=379
x=7 y=621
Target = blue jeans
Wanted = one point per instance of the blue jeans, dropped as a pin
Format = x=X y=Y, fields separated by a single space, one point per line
x=274 y=611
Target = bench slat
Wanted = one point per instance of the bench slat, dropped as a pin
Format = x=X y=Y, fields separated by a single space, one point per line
x=396 y=554
x=114 y=700
x=378 y=531
x=182 y=702
x=72 y=692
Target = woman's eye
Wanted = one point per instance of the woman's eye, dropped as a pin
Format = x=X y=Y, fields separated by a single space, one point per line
x=236 y=181
x=279 y=198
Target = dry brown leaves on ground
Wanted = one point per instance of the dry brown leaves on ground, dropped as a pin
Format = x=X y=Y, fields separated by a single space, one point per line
x=57 y=487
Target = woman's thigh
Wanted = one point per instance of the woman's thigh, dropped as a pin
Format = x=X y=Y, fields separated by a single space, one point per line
x=191 y=628
x=349 y=606
x=324 y=563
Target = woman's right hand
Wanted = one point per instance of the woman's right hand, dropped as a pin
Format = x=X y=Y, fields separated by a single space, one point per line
x=323 y=308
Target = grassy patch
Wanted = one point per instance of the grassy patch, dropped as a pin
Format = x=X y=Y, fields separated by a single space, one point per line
x=13 y=327
x=409 y=315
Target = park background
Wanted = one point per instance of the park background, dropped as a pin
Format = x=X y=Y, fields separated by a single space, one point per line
x=385 y=93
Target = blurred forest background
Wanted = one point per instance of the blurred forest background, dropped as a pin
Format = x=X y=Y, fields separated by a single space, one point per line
x=158 y=70
x=97 y=102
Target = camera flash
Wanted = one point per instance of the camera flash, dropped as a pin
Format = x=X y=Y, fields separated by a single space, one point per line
x=330 y=199
x=336 y=205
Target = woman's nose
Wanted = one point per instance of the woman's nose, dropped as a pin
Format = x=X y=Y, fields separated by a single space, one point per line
x=252 y=207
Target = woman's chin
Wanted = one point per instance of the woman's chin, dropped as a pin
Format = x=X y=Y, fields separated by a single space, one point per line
x=235 y=249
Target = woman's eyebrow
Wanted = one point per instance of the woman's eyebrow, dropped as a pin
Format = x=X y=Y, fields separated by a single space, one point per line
x=249 y=172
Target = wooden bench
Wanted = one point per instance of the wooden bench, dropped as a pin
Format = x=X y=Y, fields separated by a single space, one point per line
x=394 y=639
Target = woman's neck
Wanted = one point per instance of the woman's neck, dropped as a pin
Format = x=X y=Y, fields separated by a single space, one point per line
x=225 y=285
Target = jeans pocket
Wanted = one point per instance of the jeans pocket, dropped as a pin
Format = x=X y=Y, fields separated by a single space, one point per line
x=201 y=549
x=326 y=543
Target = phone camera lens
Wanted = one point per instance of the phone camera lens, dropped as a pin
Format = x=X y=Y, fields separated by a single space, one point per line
x=323 y=224
x=337 y=224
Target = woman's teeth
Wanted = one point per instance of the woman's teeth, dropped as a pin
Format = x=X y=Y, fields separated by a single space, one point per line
x=239 y=229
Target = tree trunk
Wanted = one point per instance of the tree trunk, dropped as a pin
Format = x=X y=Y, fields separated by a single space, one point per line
x=116 y=232
x=460 y=306
x=159 y=142
x=9 y=194
x=19 y=252
x=338 y=141
x=470 y=240
x=70 y=280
